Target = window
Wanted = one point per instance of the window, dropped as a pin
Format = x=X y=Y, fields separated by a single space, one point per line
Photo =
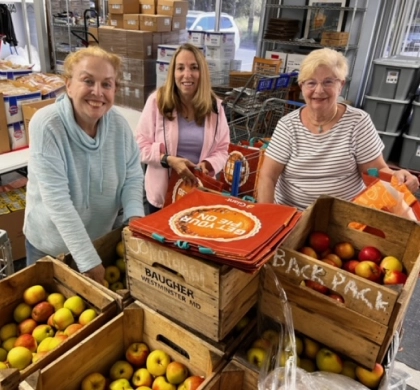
x=225 y=23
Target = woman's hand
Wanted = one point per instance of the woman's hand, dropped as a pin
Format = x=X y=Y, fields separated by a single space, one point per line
x=405 y=177
x=182 y=168
x=204 y=167
x=97 y=274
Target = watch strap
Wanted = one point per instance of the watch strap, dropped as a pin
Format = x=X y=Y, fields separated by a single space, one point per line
x=164 y=161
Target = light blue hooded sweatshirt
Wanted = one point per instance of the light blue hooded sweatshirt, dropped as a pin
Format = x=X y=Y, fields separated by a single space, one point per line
x=77 y=184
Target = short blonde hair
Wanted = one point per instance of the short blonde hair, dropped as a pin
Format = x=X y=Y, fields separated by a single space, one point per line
x=330 y=58
x=92 y=51
x=203 y=101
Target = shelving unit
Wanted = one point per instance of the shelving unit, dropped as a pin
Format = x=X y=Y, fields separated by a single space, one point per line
x=352 y=21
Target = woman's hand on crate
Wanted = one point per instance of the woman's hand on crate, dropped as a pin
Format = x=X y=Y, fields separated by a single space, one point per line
x=97 y=273
x=405 y=177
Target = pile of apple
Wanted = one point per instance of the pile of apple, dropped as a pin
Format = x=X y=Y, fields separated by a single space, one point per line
x=143 y=369
x=312 y=356
x=115 y=273
x=369 y=262
x=41 y=323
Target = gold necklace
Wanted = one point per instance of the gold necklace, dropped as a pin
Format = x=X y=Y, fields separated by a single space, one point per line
x=320 y=126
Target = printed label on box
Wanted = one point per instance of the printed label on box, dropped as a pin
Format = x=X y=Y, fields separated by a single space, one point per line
x=392 y=77
x=418 y=151
x=178 y=11
x=114 y=22
x=132 y=22
x=167 y=22
x=146 y=7
x=116 y=6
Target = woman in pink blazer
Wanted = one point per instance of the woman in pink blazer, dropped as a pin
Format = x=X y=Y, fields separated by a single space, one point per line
x=182 y=126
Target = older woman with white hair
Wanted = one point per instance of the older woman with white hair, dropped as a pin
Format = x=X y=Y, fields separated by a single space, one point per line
x=323 y=147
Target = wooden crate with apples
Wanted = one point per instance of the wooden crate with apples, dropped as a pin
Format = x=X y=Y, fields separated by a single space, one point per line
x=54 y=276
x=106 y=248
x=206 y=297
x=137 y=323
x=361 y=327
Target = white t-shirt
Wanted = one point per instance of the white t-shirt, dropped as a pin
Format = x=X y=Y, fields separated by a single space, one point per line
x=326 y=163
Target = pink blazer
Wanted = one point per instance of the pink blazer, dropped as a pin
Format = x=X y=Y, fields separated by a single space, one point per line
x=156 y=135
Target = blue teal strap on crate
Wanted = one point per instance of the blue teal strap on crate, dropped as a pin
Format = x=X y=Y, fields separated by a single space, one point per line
x=206 y=251
x=182 y=244
x=249 y=198
x=158 y=237
x=373 y=172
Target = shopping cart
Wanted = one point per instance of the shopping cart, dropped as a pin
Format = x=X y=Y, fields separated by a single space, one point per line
x=6 y=259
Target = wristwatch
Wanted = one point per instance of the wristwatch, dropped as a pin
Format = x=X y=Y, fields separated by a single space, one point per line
x=164 y=161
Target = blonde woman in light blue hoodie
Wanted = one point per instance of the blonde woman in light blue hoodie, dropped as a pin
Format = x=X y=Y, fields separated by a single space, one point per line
x=84 y=165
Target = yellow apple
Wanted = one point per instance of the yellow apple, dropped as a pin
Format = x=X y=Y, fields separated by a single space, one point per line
x=49 y=344
x=157 y=362
x=8 y=330
x=256 y=356
x=112 y=274
x=3 y=355
x=191 y=383
x=19 y=357
x=72 y=329
x=242 y=324
x=160 y=383
x=121 y=370
x=119 y=249
x=272 y=336
x=120 y=384
x=137 y=353
x=176 y=373
x=3 y=366
x=75 y=304
x=34 y=295
x=87 y=316
x=28 y=341
x=22 y=312
x=120 y=263
x=57 y=300
x=9 y=343
x=327 y=360
x=105 y=283
x=117 y=286
x=311 y=347
x=370 y=378
x=307 y=364
x=43 y=331
x=63 y=318
x=38 y=355
x=94 y=381
x=142 y=377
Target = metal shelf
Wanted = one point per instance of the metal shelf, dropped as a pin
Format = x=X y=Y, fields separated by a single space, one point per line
x=312 y=7
x=308 y=44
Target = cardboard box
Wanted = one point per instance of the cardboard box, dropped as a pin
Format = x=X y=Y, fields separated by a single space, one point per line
x=54 y=276
x=113 y=40
x=294 y=61
x=206 y=297
x=219 y=39
x=221 y=53
x=17 y=135
x=103 y=348
x=140 y=45
x=131 y=22
x=13 y=74
x=171 y=37
x=172 y=7
x=179 y=23
x=219 y=65
x=29 y=109
x=93 y=36
x=135 y=95
x=362 y=327
x=116 y=20
x=123 y=7
x=13 y=224
x=196 y=38
x=277 y=55
x=147 y=7
x=4 y=132
x=166 y=52
x=139 y=71
x=155 y=23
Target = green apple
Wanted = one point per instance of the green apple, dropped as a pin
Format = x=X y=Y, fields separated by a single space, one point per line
x=120 y=384
x=256 y=356
x=191 y=383
x=160 y=383
x=48 y=344
x=121 y=370
x=63 y=318
x=87 y=316
x=34 y=295
x=19 y=357
x=9 y=343
x=8 y=330
x=157 y=362
x=27 y=326
x=112 y=274
x=94 y=381
x=327 y=360
x=142 y=377
x=3 y=355
x=117 y=286
x=75 y=304
x=57 y=300
x=22 y=312
x=28 y=341
x=120 y=263
x=176 y=373
x=41 y=332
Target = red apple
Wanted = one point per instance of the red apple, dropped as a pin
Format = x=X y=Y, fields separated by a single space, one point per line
x=42 y=311
x=390 y=263
x=370 y=253
x=308 y=251
x=324 y=254
x=28 y=341
x=344 y=250
x=351 y=265
x=369 y=270
x=137 y=353
x=338 y=262
x=394 y=277
x=319 y=241
x=316 y=286
x=336 y=297
x=370 y=378
x=329 y=261
x=27 y=326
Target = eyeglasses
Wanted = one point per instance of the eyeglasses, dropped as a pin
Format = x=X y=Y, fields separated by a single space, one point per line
x=326 y=84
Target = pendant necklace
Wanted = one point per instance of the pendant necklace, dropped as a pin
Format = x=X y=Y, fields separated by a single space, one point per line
x=320 y=126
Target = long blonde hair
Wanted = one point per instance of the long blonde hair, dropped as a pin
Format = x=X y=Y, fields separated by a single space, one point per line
x=204 y=100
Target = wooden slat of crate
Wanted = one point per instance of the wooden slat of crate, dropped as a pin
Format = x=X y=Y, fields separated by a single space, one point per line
x=383 y=305
x=55 y=277
x=105 y=246
x=250 y=373
x=335 y=35
x=107 y=345
x=9 y=379
x=205 y=296
x=230 y=377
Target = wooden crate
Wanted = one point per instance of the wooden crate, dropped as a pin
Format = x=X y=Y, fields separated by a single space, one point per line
x=108 y=344
x=335 y=35
x=204 y=296
x=105 y=246
x=363 y=327
x=55 y=277
x=334 y=42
